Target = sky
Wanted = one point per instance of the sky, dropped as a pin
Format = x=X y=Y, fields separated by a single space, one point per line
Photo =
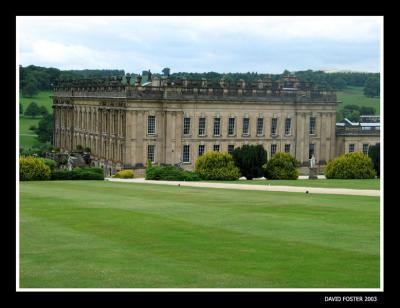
x=201 y=44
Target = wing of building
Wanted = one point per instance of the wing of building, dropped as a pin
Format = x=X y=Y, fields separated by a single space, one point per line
x=126 y=123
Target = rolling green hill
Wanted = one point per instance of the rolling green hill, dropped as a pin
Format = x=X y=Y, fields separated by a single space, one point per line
x=355 y=96
x=27 y=138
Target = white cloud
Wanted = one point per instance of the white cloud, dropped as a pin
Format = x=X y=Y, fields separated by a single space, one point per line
x=220 y=43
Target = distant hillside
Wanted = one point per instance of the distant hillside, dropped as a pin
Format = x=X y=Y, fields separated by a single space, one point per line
x=36 y=78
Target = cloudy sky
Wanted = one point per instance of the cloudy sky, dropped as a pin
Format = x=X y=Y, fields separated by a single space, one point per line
x=201 y=44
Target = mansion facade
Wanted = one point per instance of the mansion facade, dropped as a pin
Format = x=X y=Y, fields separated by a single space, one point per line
x=126 y=123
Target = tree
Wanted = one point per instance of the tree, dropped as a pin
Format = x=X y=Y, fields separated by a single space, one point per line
x=372 y=87
x=250 y=160
x=45 y=129
x=374 y=152
x=43 y=110
x=30 y=88
x=33 y=110
x=21 y=110
x=367 y=110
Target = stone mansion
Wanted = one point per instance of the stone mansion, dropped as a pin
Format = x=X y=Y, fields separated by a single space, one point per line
x=126 y=122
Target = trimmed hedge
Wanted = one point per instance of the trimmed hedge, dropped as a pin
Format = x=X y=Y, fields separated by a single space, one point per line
x=217 y=166
x=33 y=169
x=353 y=165
x=124 y=174
x=170 y=173
x=374 y=153
x=78 y=174
x=250 y=160
x=282 y=166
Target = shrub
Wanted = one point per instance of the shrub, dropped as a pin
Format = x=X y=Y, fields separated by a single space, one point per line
x=250 y=160
x=217 y=166
x=32 y=127
x=354 y=165
x=32 y=110
x=52 y=164
x=374 y=152
x=282 y=166
x=124 y=174
x=170 y=173
x=33 y=169
x=78 y=174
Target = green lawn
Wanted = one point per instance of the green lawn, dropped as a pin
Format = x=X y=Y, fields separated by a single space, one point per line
x=355 y=96
x=103 y=234
x=42 y=99
x=27 y=137
x=351 y=184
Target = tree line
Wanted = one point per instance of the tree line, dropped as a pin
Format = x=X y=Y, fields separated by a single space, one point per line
x=35 y=78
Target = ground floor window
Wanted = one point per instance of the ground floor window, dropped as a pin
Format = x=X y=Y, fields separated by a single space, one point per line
x=216 y=147
x=311 y=150
x=365 y=148
x=351 y=147
x=151 y=153
x=231 y=148
x=287 y=148
x=186 y=154
x=273 y=149
x=201 y=149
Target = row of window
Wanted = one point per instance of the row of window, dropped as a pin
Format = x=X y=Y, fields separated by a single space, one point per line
x=216 y=147
x=365 y=148
x=151 y=126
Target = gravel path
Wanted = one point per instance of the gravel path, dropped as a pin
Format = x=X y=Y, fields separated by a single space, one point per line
x=315 y=190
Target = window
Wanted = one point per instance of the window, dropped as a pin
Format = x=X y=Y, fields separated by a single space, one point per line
x=246 y=123
x=288 y=124
x=202 y=126
x=231 y=126
x=201 y=149
x=311 y=150
x=351 y=147
x=287 y=148
x=151 y=125
x=186 y=126
x=312 y=126
x=274 y=125
x=217 y=126
x=151 y=153
x=186 y=154
x=231 y=148
x=260 y=126
x=273 y=149
x=216 y=147
x=365 y=148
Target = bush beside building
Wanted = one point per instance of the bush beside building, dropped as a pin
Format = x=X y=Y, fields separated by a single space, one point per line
x=217 y=166
x=355 y=165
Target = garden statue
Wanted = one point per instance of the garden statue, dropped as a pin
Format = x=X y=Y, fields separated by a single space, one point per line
x=312 y=161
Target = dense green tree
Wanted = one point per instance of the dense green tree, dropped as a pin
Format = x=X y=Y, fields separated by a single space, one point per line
x=32 y=110
x=367 y=110
x=43 y=111
x=30 y=88
x=372 y=87
x=374 y=152
x=45 y=129
x=250 y=160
